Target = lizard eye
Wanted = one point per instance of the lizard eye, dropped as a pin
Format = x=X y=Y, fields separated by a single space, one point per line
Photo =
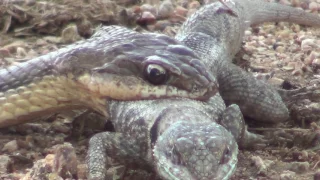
x=155 y=74
x=226 y=156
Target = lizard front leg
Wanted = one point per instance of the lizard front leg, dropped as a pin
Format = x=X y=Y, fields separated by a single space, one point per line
x=255 y=98
x=232 y=120
x=110 y=144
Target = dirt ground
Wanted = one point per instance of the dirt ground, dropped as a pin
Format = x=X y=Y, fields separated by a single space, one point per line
x=55 y=146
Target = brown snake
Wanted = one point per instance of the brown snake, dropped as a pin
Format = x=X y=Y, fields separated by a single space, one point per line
x=127 y=66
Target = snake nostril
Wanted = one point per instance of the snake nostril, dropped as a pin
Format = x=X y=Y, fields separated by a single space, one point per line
x=195 y=88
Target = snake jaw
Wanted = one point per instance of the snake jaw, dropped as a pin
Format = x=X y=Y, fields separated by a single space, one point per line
x=110 y=86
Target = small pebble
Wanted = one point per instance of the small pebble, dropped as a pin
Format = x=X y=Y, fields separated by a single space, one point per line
x=82 y=170
x=299 y=167
x=295 y=3
x=314 y=6
x=183 y=3
x=175 y=18
x=21 y=52
x=308 y=44
x=280 y=49
x=85 y=28
x=284 y=34
x=166 y=9
x=146 y=18
x=316 y=176
x=191 y=11
x=65 y=160
x=296 y=28
x=276 y=82
x=287 y=175
x=12 y=47
x=148 y=8
x=194 y=5
x=70 y=34
x=4 y=52
x=181 y=11
x=297 y=72
x=261 y=164
x=5 y=164
x=162 y=24
x=11 y=146
x=285 y=2
x=316 y=63
x=247 y=33
x=300 y=155
x=288 y=68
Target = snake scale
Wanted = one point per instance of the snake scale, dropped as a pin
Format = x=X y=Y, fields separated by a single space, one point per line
x=171 y=134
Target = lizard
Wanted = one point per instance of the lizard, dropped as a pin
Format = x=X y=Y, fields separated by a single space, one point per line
x=176 y=137
x=255 y=98
x=215 y=35
x=149 y=127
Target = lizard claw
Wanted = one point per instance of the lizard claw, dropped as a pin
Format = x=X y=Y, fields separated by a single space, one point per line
x=251 y=140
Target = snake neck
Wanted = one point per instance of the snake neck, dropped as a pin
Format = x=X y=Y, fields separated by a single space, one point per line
x=44 y=95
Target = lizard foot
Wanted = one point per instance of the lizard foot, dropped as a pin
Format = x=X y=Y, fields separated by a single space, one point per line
x=304 y=104
x=292 y=96
x=232 y=120
x=251 y=140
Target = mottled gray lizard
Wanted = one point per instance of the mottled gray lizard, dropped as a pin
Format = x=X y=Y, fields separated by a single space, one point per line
x=176 y=137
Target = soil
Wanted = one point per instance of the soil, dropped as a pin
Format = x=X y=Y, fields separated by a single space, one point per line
x=55 y=146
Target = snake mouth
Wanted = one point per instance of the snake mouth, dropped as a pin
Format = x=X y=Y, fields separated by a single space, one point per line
x=209 y=91
x=116 y=87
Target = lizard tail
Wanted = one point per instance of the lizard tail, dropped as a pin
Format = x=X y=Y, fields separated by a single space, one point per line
x=274 y=12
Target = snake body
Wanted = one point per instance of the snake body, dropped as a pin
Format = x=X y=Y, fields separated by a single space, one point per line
x=109 y=65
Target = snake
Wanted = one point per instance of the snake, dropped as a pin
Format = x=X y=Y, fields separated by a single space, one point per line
x=109 y=65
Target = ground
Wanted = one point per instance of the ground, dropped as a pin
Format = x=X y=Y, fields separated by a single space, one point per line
x=55 y=146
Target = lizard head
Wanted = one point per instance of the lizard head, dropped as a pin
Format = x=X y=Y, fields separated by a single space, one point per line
x=189 y=151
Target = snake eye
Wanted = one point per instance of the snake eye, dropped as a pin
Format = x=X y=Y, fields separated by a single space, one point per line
x=155 y=74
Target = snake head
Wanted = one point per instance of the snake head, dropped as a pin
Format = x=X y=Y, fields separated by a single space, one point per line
x=195 y=151
x=126 y=65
